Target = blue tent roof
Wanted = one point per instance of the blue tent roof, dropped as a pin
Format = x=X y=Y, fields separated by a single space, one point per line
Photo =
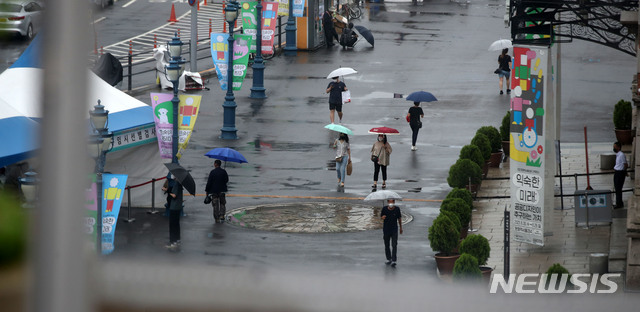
x=30 y=57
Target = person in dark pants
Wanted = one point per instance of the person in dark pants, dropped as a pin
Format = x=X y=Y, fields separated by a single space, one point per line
x=349 y=37
x=335 y=89
x=504 y=64
x=329 y=30
x=619 y=174
x=382 y=150
x=217 y=186
x=392 y=221
x=174 y=216
x=414 y=115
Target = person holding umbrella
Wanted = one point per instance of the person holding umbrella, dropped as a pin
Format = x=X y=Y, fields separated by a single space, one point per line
x=414 y=115
x=174 y=216
x=380 y=154
x=216 y=187
x=343 y=155
x=335 y=89
x=504 y=67
x=391 y=223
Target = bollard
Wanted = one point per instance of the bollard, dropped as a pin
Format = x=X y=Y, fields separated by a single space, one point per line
x=155 y=41
x=153 y=197
x=599 y=263
x=129 y=219
x=210 y=28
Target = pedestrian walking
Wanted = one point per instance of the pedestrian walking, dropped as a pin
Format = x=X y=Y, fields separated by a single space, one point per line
x=216 y=187
x=343 y=156
x=620 y=173
x=414 y=115
x=504 y=67
x=335 y=89
x=174 y=216
x=329 y=29
x=380 y=154
x=391 y=223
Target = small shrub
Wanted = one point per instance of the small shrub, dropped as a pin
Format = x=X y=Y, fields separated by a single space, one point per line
x=459 y=207
x=505 y=127
x=622 y=115
x=472 y=153
x=482 y=142
x=466 y=268
x=460 y=172
x=443 y=235
x=558 y=269
x=494 y=137
x=461 y=193
x=453 y=217
x=13 y=229
x=477 y=246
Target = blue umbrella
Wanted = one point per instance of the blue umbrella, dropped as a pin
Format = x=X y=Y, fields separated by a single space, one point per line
x=226 y=154
x=421 y=96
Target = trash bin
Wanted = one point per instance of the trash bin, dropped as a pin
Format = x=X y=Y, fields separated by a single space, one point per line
x=599 y=263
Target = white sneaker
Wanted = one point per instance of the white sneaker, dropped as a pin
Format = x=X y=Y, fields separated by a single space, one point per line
x=414 y=148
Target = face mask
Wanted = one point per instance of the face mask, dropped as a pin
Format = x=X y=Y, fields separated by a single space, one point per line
x=391 y=205
x=379 y=139
x=614 y=150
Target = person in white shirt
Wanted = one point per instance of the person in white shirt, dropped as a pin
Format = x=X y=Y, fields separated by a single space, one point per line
x=620 y=173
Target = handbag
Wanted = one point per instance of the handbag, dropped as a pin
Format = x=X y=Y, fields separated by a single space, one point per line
x=497 y=71
x=349 y=167
x=419 y=124
x=408 y=118
x=375 y=158
x=207 y=199
x=346 y=96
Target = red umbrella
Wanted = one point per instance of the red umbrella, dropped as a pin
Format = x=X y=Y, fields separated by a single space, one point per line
x=384 y=130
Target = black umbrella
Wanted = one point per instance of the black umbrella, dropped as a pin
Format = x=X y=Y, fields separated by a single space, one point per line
x=366 y=33
x=183 y=177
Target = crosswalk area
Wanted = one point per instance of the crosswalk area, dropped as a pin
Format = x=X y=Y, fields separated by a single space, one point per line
x=210 y=19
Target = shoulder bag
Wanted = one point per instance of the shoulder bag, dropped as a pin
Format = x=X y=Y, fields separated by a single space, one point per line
x=375 y=158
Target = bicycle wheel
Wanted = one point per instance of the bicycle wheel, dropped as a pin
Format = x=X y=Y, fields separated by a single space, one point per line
x=355 y=12
x=270 y=56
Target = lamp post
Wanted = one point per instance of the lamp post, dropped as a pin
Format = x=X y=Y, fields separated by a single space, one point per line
x=29 y=188
x=290 y=49
x=99 y=146
x=258 y=90
x=174 y=71
x=229 y=131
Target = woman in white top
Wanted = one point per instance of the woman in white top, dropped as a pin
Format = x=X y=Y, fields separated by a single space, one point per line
x=343 y=153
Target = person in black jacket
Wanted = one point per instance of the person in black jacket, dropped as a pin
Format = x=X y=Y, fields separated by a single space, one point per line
x=329 y=29
x=217 y=186
x=349 y=37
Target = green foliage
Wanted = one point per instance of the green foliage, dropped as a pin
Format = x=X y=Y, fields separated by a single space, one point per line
x=443 y=235
x=460 y=172
x=453 y=217
x=13 y=229
x=466 y=268
x=459 y=207
x=505 y=127
x=494 y=137
x=622 y=115
x=482 y=142
x=462 y=193
x=472 y=153
x=556 y=268
x=477 y=246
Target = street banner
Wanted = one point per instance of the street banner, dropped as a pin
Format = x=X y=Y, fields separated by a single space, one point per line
x=528 y=145
x=269 y=21
x=298 y=8
x=283 y=8
x=220 y=51
x=113 y=186
x=188 y=109
x=249 y=15
x=91 y=208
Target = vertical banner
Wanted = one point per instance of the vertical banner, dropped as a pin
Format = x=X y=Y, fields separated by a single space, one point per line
x=298 y=8
x=188 y=109
x=112 y=191
x=527 y=143
x=91 y=207
x=249 y=15
x=269 y=21
x=220 y=51
x=283 y=8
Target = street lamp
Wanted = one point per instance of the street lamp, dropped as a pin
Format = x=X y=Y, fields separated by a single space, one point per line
x=258 y=90
x=29 y=187
x=229 y=131
x=99 y=146
x=174 y=71
x=290 y=49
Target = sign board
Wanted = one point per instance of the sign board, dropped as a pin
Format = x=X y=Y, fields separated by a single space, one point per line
x=133 y=137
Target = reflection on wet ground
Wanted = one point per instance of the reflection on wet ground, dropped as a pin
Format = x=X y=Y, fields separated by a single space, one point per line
x=310 y=217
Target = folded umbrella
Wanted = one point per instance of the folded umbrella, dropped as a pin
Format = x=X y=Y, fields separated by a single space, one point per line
x=183 y=177
x=366 y=34
x=226 y=154
x=338 y=128
x=384 y=130
x=342 y=71
x=421 y=96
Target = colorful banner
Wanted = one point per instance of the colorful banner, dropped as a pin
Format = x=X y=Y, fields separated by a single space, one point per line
x=298 y=8
x=188 y=109
x=527 y=143
x=91 y=207
x=249 y=15
x=269 y=21
x=220 y=51
x=113 y=186
x=283 y=8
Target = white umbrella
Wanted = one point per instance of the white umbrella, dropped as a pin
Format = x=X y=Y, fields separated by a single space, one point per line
x=383 y=195
x=498 y=45
x=342 y=71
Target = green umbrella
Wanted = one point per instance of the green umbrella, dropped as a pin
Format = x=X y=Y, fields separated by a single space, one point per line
x=339 y=128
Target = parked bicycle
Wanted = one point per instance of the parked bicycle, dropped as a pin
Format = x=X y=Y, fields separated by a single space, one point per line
x=351 y=11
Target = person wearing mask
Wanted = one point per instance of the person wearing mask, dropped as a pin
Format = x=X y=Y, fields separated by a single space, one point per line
x=216 y=187
x=343 y=155
x=414 y=115
x=335 y=89
x=349 y=37
x=380 y=154
x=329 y=30
x=620 y=173
x=391 y=223
x=174 y=216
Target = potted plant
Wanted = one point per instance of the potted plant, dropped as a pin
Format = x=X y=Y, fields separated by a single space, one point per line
x=461 y=172
x=462 y=210
x=466 y=269
x=558 y=270
x=478 y=246
x=13 y=247
x=496 y=144
x=505 y=133
x=622 y=122
x=463 y=194
x=443 y=237
x=472 y=153
x=482 y=142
